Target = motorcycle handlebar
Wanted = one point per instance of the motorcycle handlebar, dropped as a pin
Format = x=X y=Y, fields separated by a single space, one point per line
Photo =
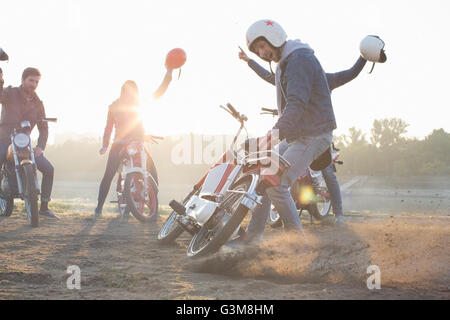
x=271 y=111
x=150 y=138
x=18 y=123
x=232 y=109
x=234 y=113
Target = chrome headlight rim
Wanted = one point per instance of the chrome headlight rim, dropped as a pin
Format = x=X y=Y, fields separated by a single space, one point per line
x=21 y=140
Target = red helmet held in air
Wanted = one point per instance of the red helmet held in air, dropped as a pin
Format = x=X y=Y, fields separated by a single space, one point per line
x=175 y=58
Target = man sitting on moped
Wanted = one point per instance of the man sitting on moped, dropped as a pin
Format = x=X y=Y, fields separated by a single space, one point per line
x=23 y=104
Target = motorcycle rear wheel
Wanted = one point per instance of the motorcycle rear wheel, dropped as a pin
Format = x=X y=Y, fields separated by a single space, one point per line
x=320 y=210
x=274 y=218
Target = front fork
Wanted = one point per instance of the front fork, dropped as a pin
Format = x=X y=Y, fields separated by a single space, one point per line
x=252 y=197
x=146 y=174
x=17 y=165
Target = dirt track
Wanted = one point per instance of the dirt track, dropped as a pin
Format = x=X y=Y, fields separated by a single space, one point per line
x=121 y=260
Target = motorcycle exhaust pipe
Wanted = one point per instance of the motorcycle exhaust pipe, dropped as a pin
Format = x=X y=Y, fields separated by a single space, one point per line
x=177 y=207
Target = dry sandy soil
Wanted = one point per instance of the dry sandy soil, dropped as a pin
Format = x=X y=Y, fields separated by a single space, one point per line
x=120 y=259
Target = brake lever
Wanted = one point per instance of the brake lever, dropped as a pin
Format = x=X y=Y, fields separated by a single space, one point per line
x=236 y=116
x=227 y=110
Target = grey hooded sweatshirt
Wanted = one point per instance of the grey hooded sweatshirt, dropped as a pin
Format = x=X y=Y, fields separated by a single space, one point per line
x=303 y=96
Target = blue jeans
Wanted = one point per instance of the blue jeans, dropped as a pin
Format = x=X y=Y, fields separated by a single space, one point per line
x=334 y=189
x=43 y=165
x=300 y=153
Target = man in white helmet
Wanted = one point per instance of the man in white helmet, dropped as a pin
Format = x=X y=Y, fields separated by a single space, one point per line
x=334 y=80
x=306 y=115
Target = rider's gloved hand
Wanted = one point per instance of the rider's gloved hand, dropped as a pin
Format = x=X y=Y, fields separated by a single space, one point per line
x=102 y=150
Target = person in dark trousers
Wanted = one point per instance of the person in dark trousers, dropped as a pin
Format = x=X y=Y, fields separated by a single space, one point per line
x=334 y=81
x=23 y=104
x=123 y=116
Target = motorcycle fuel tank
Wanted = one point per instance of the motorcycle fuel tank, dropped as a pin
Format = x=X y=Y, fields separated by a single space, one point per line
x=216 y=179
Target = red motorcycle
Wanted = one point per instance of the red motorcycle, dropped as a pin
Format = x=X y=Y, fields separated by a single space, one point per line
x=137 y=183
x=218 y=204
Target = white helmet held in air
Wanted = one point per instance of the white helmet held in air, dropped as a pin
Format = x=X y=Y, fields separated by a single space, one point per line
x=269 y=29
x=372 y=49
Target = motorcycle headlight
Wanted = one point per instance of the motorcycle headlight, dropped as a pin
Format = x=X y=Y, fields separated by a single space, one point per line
x=21 y=140
x=132 y=150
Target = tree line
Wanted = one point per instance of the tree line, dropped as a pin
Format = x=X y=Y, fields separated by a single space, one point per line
x=386 y=152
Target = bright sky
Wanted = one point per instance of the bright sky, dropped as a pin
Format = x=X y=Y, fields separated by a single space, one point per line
x=87 y=49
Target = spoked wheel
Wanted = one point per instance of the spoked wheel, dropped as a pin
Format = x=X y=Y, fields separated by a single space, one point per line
x=223 y=224
x=171 y=229
x=320 y=208
x=30 y=195
x=274 y=218
x=144 y=209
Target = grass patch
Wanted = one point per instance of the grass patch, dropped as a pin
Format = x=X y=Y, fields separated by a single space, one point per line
x=119 y=278
x=80 y=210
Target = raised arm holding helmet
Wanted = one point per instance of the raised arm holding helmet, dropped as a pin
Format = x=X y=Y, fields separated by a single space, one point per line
x=334 y=80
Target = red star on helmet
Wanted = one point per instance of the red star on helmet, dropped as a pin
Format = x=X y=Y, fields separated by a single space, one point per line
x=269 y=23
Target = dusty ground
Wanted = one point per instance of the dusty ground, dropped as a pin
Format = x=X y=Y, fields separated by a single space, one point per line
x=120 y=259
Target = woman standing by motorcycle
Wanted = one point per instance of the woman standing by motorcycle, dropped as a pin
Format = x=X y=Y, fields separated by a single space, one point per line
x=123 y=115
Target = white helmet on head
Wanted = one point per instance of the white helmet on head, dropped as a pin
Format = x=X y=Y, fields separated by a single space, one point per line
x=268 y=29
x=372 y=49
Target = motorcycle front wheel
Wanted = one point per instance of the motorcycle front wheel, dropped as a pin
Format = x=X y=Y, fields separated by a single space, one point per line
x=30 y=194
x=145 y=210
x=212 y=236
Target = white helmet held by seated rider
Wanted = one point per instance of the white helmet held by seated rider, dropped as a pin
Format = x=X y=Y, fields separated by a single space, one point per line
x=269 y=30
x=372 y=49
